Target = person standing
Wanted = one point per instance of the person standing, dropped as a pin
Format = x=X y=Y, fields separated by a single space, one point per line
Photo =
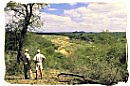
x=27 y=64
x=38 y=58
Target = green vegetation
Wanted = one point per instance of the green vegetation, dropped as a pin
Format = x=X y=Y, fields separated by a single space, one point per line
x=96 y=56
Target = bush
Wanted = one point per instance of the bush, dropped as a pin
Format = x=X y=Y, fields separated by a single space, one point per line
x=98 y=56
x=12 y=67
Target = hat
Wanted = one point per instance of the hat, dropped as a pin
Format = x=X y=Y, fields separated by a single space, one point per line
x=38 y=50
x=26 y=50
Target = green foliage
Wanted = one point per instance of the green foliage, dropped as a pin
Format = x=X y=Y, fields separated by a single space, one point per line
x=10 y=41
x=102 y=60
x=12 y=67
x=11 y=4
x=98 y=56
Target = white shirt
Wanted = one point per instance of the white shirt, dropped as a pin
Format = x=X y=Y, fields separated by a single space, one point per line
x=38 y=57
x=27 y=55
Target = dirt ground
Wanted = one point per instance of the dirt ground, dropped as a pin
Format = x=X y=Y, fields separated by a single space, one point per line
x=49 y=78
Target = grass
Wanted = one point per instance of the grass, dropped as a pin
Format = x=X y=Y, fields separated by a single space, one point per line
x=49 y=78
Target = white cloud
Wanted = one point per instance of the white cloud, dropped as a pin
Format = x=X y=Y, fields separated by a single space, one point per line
x=72 y=4
x=52 y=9
x=54 y=23
x=101 y=16
x=8 y=16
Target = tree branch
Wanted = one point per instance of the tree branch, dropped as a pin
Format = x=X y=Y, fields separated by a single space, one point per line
x=26 y=9
x=31 y=6
x=84 y=80
x=18 y=11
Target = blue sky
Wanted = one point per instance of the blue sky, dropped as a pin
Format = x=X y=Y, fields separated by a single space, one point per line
x=58 y=9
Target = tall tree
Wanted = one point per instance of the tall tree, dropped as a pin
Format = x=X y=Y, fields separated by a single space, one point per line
x=25 y=17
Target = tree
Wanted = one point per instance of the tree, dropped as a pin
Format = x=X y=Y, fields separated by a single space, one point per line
x=25 y=17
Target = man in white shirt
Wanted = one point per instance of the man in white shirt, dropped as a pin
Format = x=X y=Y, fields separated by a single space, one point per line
x=38 y=58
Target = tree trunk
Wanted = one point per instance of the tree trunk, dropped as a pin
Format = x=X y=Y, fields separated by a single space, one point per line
x=21 y=41
x=24 y=30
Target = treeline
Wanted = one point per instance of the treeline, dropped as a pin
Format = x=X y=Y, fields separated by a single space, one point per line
x=98 y=37
x=92 y=36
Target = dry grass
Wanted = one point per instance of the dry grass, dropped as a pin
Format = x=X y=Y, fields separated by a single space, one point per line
x=49 y=78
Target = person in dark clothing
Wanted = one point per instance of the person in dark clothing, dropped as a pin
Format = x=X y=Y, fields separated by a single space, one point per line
x=27 y=67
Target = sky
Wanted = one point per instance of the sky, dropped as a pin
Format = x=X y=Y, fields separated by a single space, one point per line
x=88 y=17
x=58 y=9
x=85 y=16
